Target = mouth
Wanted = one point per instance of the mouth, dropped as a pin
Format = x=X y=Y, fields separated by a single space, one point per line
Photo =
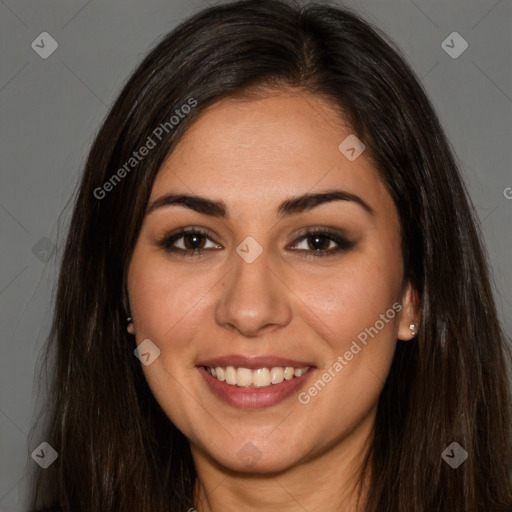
x=254 y=382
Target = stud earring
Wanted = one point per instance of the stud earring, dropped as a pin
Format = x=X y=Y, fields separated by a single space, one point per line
x=413 y=329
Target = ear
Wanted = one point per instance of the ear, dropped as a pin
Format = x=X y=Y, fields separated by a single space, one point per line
x=410 y=313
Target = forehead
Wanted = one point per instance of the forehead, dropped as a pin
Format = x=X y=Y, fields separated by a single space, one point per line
x=255 y=150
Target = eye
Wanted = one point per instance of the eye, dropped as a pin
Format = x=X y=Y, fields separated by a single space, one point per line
x=193 y=242
x=318 y=243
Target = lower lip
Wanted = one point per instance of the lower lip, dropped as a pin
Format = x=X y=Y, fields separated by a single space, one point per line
x=253 y=398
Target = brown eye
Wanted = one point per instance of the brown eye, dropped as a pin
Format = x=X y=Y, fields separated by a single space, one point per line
x=318 y=243
x=194 y=241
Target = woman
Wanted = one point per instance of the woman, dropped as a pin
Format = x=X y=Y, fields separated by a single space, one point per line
x=273 y=293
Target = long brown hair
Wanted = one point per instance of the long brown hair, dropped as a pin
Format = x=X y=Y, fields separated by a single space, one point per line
x=117 y=450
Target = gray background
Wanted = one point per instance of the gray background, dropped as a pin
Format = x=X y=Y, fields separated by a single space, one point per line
x=51 y=108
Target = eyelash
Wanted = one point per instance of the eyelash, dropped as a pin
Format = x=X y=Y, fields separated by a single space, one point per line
x=344 y=245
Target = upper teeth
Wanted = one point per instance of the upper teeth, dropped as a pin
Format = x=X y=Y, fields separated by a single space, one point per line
x=262 y=377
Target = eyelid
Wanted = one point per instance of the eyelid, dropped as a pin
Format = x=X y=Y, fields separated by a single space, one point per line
x=343 y=244
x=167 y=240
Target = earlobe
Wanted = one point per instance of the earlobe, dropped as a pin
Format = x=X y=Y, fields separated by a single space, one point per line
x=409 y=316
x=130 y=328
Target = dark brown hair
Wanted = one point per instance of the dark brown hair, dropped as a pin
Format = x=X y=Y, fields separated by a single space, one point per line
x=117 y=450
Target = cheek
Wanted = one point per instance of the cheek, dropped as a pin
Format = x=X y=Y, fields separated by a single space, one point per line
x=356 y=310
x=167 y=304
x=353 y=296
x=152 y=298
x=167 y=308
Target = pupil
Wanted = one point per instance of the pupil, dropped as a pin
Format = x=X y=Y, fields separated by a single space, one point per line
x=196 y=238
x=320 y=245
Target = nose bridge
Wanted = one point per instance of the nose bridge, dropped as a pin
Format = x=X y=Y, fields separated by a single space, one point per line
x=253 y=297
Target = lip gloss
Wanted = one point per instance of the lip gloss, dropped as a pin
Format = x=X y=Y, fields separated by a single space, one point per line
x=253 y=398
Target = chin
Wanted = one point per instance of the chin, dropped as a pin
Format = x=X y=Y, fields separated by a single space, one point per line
x=254 y=458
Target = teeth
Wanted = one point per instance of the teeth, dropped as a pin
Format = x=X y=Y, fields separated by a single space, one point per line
x=230 y=375
x=276 y=375
x=244 y=377
x=260 y=378
x=288 y=373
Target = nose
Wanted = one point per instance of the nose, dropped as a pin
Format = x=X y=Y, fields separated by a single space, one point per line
x=255 y=299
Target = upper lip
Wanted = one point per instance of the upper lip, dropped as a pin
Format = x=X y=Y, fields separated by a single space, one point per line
x=252 y=362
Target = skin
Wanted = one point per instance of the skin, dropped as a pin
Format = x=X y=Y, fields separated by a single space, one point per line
x=253 y=154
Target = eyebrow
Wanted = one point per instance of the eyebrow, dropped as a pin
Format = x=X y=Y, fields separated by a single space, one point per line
x=291 y=206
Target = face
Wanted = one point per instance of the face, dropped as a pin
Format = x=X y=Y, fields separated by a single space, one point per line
x=296 y=302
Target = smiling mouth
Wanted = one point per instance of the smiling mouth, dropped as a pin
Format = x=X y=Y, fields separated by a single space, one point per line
x=259 y=378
